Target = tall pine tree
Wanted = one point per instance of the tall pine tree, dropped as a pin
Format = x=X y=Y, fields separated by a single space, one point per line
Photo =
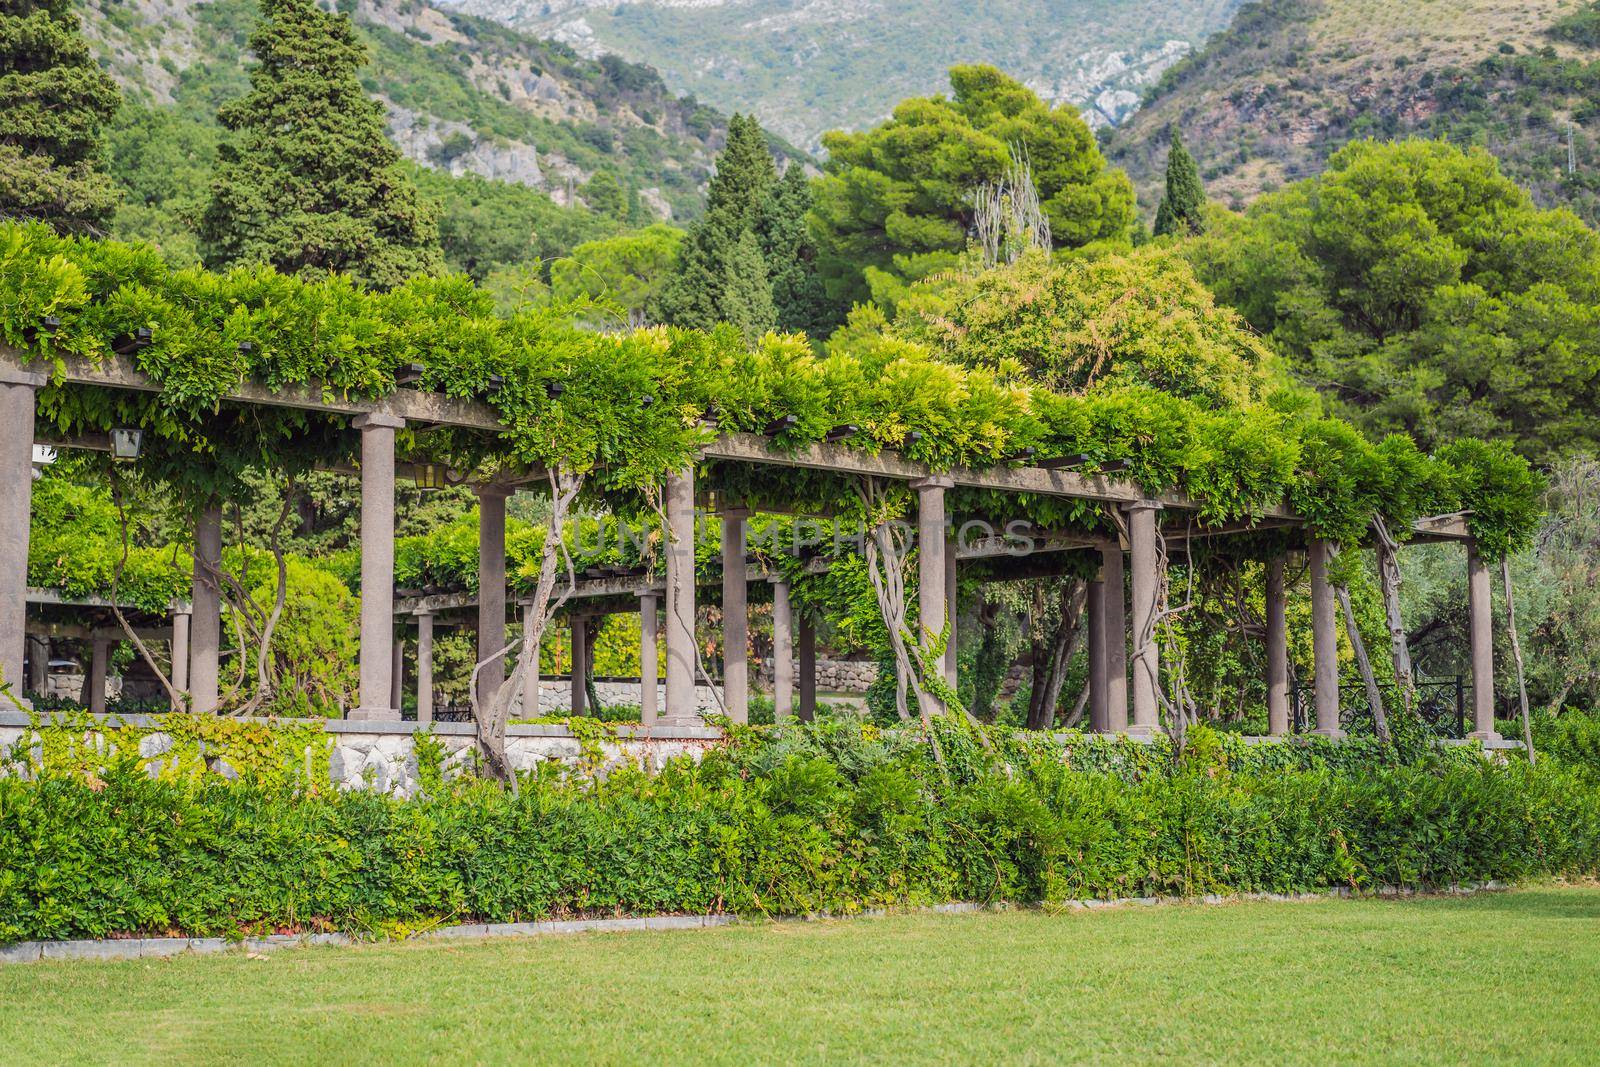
x=1182 y=209
x=309 y=182
x=54 y=100
x=798 y=297
x=716 y=271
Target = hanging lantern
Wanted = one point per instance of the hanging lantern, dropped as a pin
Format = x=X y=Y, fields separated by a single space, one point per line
x=125 y=444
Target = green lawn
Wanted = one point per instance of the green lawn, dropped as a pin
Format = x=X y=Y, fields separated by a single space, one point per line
x=1508 y=976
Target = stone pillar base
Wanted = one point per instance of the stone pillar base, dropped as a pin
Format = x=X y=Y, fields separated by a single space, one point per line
x=374 y=714
x=1334 y=734
x=1484 y=735
x=1141 y=732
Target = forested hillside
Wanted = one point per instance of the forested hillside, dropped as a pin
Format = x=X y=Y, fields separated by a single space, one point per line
x=464 y=97
x=1269 y=100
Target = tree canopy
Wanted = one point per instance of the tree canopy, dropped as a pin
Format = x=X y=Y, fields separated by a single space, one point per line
x=1420 y=290
x=628 y=270
x=309 y=180
x=898 y=198
x=54 y=101
x=1140 y=317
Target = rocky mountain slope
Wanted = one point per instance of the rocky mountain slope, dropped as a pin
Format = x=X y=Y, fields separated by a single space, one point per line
x=1268 y=100
x=465 y=95
x=806 y=66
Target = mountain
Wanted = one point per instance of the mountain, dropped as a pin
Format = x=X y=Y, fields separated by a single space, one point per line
x=465 y=95
x=806 y=66
x=1290 y=81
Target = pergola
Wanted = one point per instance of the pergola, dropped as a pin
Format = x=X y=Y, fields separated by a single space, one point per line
x=1120 y=628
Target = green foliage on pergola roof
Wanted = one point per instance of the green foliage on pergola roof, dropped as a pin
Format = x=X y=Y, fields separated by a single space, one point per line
x=634 y=405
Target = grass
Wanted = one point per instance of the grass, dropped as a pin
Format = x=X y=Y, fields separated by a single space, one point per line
x=1509 y=976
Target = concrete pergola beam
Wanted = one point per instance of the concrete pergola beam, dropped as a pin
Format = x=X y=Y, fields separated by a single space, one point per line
x=409 y=405
x=750 y=448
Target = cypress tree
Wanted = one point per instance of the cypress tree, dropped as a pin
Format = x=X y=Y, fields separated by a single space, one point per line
x=1182 y=209
x=798 y=298
x=697 y=295
x=54 y=100
x=309 y=182
x=746 y=291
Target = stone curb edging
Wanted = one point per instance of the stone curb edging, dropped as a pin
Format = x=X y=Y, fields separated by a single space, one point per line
x=133 y=948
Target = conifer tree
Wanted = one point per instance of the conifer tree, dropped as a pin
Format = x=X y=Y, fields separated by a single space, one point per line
x=798 y=297
x=54 y=99
x=697 y=295
x=1182 y=209
x=309 y=182
x=746 y=290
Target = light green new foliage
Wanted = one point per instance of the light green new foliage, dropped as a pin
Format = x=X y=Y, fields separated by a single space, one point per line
x=309 y=181
x=1422 y=291
x=1139 y=317
x=1232 y=457
x=903 y=190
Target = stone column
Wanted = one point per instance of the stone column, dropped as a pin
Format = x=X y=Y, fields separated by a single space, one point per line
x=377 y=566
x=205 y=627
x=38 y=663
x=679 y=544
x=1277 y=651
x=491 y=587
x=1324 y=642
x=577 y=699
x=180 y=652
x=649 y=669
x=424 y=667
x=97 y=675
x=735 y=618
x=808 y=670
x=1480 y=620
x=18 y=389
x=952 y=609
x=397 y=673
x=1099 y=720
x=782 y=651
x=1113 y=576
x=932 y=609
x=1145 y=600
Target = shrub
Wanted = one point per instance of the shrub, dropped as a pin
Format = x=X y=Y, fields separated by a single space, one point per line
x=838 y=816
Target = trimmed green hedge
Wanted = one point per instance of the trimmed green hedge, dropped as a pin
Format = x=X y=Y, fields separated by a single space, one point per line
x=833 y=817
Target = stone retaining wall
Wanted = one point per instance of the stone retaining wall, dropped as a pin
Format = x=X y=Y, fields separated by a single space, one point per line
x=381 y=755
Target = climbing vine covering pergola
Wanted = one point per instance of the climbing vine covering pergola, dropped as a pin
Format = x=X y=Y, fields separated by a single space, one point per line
x=225 y=373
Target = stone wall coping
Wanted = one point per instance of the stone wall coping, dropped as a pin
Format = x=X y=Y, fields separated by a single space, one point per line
x=133 y=948
x=659 y=732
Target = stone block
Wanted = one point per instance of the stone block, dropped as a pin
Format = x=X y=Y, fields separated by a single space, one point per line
x=124 y=949
x=157 y=947
x=22 y=952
